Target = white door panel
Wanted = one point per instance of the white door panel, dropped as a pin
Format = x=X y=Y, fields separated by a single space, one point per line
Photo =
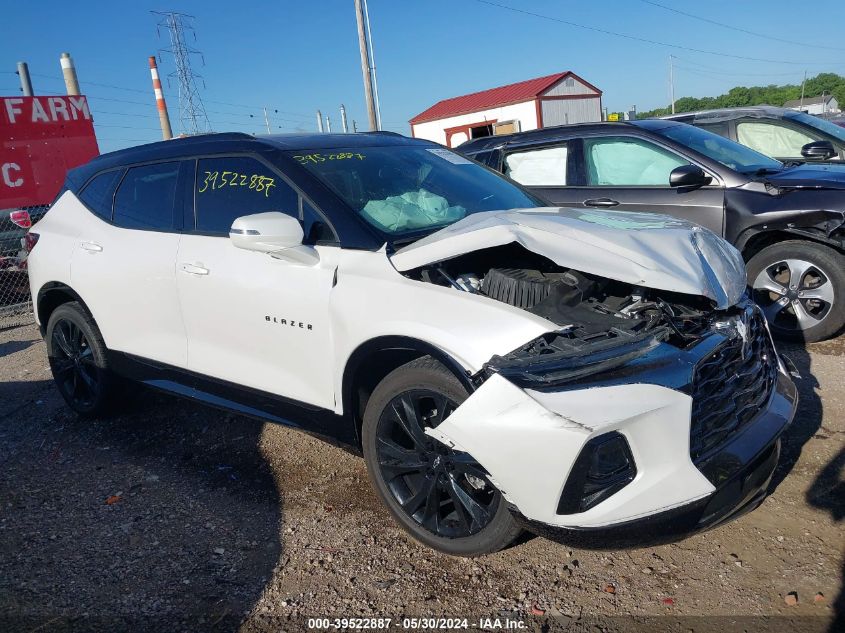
x=258 y=321
x=129 y=276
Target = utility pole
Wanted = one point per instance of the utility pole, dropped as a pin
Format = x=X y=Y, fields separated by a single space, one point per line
x=26 y=82
x=163 y=116
x=266 y=120
x=319 y=121
x=69 y=72
x=672 y=82
x=192 y=116
x=343 y=119
x=801 y=106
x=372 y=62
x=365 y=66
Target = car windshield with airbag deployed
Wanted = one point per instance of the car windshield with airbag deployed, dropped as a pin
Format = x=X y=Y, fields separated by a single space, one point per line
x=410 y=191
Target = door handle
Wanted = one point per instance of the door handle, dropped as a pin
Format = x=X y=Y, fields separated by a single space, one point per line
x=91 y=247
x=600 y=202
x=193 y=269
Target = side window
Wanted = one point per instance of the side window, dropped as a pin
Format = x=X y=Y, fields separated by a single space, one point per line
x=314 y=226
x=146 y=196
x=98 y=194
x=230 y=187
x=628 y=162
x=721 y=128
x=772 y=139
x=538 y=168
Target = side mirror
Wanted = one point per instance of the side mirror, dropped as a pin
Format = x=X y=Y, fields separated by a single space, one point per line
x=818 y=150
x=689 y=176
x=275 y=233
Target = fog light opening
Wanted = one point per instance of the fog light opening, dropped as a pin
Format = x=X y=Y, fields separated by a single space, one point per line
x=604 y=466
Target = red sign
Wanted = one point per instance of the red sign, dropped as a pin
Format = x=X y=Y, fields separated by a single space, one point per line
x=41 y=138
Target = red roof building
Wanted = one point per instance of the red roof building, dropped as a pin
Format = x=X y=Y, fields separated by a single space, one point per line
x=556 y=99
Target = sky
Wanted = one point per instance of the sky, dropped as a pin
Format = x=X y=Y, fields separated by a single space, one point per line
x=297 y=57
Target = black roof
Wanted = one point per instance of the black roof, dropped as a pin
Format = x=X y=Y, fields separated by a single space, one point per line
x=235 y=142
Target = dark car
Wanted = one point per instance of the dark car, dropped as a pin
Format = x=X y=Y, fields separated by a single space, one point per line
x=14 y=224
x=788 y=222
x=781 y=133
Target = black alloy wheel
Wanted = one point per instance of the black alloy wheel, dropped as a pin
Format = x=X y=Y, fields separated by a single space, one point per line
x=73 y=364
x=79 y=360
x=441 y=496
x=443 y=490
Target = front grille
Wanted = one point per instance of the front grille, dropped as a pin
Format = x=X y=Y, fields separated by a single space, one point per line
x=731 y=385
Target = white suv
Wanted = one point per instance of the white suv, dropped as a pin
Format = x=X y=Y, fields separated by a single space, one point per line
x=598 y=376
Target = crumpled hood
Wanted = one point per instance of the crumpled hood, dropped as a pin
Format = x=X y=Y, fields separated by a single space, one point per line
x=644 y=249
x=809 y=177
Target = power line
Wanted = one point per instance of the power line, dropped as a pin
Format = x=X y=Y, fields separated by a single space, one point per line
x=257 y=109
x=797 y=73
x=740 y=30
x=642 y=39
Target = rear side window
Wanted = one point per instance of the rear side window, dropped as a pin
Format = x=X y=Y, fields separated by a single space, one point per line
x=99 y=193
x=230 y=187
x=538 y=168
x=146 y=197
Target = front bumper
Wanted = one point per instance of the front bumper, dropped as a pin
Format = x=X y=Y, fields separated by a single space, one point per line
x=528 y=442
x=740 y=493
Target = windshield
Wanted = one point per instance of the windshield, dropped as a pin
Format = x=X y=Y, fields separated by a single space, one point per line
x=738 y=157
x=820 y=124
x=401 y=190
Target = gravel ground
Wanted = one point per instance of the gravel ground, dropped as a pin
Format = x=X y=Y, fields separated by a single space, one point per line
x=174 y=516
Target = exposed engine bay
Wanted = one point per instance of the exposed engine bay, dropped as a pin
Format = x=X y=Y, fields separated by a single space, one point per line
x=597 y=316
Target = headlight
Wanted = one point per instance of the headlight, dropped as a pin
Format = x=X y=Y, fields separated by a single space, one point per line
x=554 y=359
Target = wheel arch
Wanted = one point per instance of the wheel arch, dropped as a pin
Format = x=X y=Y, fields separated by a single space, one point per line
x=374 y=359
x=752 y=242
x=50 y=296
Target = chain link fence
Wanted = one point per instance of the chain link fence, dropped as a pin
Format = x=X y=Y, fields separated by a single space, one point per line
x=15 y=298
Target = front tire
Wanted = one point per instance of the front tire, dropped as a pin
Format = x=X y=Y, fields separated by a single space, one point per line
x=442 y=497
x=800 y=287
x=78 y=360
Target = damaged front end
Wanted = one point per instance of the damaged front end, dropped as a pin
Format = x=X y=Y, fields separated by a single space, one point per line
x=601 y=323
x=642 y=398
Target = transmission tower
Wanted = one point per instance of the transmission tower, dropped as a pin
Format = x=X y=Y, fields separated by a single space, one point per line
x=192 y=116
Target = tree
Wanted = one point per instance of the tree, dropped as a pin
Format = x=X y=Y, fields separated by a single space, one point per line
x=739 y=96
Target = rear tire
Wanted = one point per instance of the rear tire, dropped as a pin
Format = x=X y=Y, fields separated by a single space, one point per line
x=801 y=288
x=79 y=362
x=442 y=497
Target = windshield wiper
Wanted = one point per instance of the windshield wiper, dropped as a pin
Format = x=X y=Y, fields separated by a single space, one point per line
x=763 y=171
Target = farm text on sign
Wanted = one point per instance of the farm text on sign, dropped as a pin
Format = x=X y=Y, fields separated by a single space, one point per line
x=57 y=109
x=41 y=138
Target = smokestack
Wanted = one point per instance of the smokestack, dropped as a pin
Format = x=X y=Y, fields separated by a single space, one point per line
x=163 y=117
x=319 y=121
x=328 y=124
x=26 y=82
x=71 y=82
x=343 y=119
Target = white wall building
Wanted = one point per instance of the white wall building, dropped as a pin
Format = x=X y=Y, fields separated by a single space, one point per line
x=556 y=99
x=814 y=105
